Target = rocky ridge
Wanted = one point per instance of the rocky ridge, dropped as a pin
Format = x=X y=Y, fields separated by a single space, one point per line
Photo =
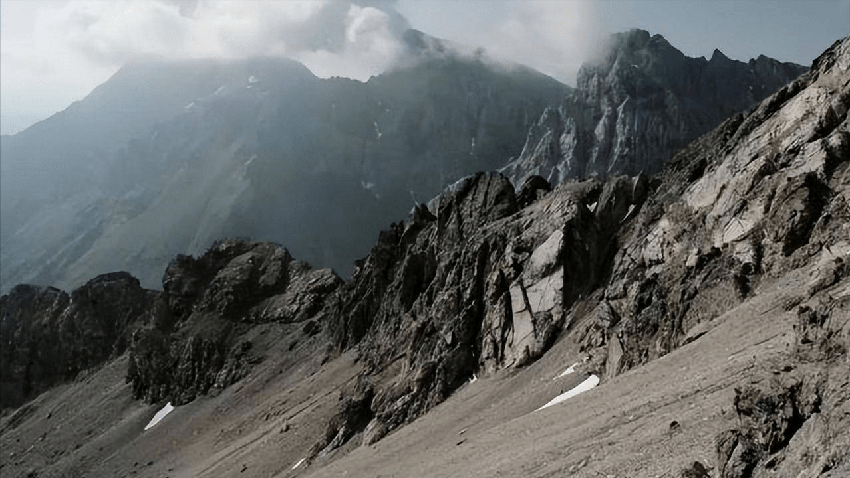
x=628 y=274
x=639 y=103
x=485 y=279
x=49 y=336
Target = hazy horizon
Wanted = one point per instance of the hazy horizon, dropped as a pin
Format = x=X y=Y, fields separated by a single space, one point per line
x=56 y=52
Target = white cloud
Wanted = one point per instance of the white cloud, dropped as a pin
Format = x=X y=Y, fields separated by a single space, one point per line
x=552 y=36
x=69 y=47
x=370 y=45
x=110 y=33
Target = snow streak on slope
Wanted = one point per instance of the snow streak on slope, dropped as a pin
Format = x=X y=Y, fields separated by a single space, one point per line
x=160 y=415
x=589 y=383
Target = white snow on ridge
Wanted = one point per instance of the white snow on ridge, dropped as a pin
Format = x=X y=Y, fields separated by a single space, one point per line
x=298 y=464
x=189 y=105
x=160 y=415
x=589 y=383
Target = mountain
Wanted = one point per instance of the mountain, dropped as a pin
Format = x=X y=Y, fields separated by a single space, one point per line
x=703 y=313
x=167 y=157
x=637 y=104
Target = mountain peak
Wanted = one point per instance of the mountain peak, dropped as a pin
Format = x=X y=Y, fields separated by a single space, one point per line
x=719 y=56
x=638 y=74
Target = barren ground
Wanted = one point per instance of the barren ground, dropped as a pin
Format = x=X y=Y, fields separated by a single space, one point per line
x=263 y=425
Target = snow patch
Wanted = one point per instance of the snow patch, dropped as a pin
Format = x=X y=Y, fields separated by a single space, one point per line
x=219 y=90
x=253 y=79
x=189 y=105
x=298 y=464
x=569 y=370
x=377 y=131
x=589 y=383
x=160 y=415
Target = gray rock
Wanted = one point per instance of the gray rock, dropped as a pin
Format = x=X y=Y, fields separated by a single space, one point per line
x=639 y=103
x=49 y=336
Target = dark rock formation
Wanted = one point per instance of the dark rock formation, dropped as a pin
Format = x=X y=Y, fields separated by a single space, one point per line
x=214 y=300
x=47 y=336
x=354 y=415
x=638 y=104
x=790 y=424
x=472 y=285
x=182 y=342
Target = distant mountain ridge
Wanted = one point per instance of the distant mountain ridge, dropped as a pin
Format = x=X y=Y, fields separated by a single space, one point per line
x=639 y=103
x=166 y=157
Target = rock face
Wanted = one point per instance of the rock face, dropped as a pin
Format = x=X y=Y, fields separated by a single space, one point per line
x=472 y=284
x=790 y=427
x=760 y=195
x=638 y=104
x=212 y=302
x=48 y=336
x=182 y=342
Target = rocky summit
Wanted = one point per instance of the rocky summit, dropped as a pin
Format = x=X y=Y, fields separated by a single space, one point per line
x=690 y=323
x=637 y=104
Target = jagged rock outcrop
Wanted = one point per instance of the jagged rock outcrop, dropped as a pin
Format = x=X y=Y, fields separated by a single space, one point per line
x=48 y=336
x=213 y=301
x=760 y=195
x=473 y=284
x=638 y=104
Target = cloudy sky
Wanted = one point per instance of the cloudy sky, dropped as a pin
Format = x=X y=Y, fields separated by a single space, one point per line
x=55 y=52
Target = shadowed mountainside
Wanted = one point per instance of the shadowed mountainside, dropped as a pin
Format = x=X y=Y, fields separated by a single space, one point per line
x=167 y=157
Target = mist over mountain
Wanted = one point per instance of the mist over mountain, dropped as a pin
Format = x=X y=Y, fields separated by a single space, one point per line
x=637 y=104
x=166 y=157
